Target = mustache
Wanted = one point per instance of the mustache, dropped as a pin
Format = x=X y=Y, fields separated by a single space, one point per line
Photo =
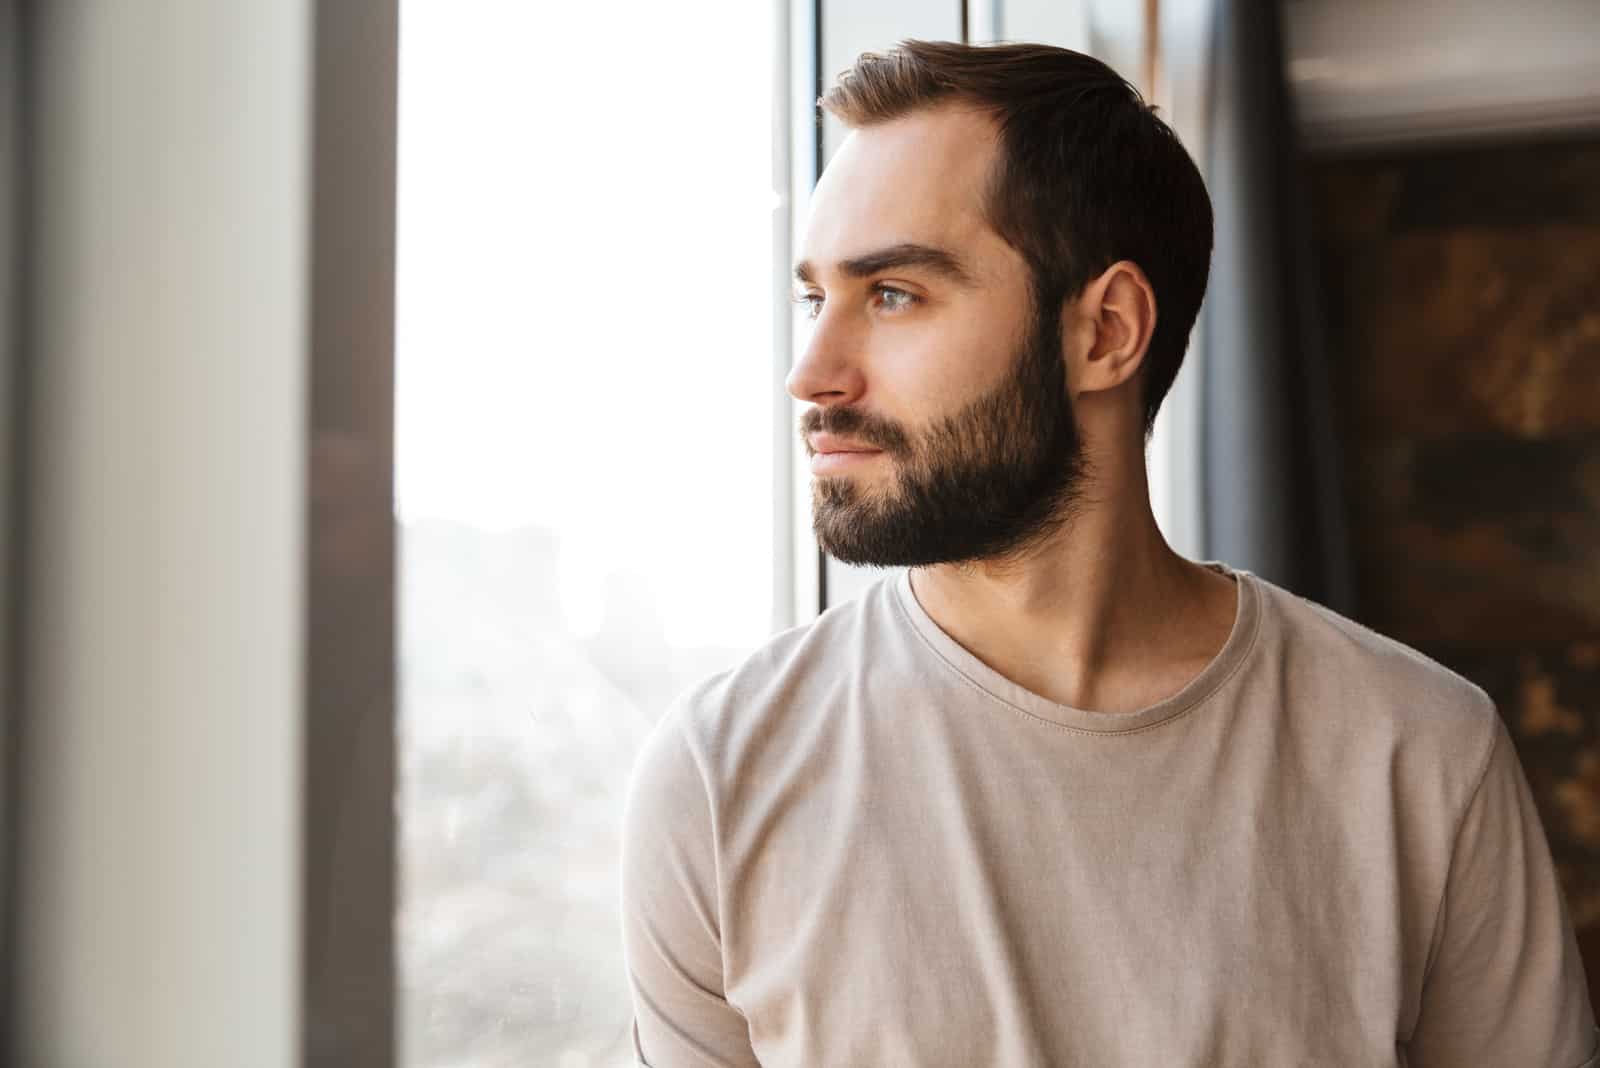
x=851 y=423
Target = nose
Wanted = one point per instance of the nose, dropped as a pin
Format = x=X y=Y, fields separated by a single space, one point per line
x=828 y=371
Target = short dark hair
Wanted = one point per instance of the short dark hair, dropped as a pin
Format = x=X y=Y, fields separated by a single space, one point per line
x=1087 y=173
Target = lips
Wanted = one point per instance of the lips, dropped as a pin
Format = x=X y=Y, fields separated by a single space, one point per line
x=826 y=444
x=825 y=463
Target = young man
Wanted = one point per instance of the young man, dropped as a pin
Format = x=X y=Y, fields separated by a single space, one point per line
x=1057 y=796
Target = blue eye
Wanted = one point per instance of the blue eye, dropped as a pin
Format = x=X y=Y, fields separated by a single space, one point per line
x=895 y=299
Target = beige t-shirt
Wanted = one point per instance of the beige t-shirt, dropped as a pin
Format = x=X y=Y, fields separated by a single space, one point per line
x=864 y=847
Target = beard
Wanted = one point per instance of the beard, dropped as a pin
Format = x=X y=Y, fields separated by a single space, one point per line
x=989 y=482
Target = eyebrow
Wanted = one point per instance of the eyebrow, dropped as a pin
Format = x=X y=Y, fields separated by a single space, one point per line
x=906 y=254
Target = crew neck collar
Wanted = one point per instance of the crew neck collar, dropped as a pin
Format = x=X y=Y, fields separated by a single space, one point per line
x=1241 y=638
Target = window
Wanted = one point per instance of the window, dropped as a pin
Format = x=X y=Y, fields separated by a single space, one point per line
x=585 y=461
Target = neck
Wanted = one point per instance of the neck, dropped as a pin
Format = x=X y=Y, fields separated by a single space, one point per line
x=1103 y=615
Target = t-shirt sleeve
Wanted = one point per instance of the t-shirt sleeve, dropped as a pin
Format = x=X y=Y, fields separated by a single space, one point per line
x=1506 y=985
x=670 y=924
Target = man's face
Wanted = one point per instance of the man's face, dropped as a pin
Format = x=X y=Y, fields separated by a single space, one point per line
x=931 y=351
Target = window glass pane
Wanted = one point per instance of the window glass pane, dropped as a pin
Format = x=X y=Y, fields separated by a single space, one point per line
x=585 y=477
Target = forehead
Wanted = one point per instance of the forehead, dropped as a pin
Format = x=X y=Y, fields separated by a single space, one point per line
x=920 y=178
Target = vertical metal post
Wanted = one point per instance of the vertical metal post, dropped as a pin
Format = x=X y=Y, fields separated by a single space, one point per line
x=349 y=873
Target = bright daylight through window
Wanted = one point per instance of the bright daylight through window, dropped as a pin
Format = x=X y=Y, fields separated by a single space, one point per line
x=584 y=468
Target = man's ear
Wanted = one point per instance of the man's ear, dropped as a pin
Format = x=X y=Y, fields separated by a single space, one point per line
x=1117 y=311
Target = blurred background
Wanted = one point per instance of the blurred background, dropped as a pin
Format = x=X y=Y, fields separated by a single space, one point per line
x=394 y=423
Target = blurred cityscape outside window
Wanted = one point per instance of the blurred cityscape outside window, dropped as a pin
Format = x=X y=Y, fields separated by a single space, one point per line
x=584 y=478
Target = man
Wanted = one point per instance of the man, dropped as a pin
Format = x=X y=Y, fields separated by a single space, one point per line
x=1056 y=795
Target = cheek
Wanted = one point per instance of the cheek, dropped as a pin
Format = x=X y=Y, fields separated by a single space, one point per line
x=930 y=368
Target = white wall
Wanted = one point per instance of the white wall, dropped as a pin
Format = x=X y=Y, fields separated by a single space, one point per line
x=159 y=847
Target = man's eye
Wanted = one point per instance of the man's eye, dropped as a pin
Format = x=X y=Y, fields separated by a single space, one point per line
x=811 y=302
x=893 y=299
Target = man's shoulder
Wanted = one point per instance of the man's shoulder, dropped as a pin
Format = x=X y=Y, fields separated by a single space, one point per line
x=1376 y=677
x=724 y=715
x=1359 y=710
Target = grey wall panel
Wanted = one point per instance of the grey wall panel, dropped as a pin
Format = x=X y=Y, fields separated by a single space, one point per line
x=159 y=839
x=205 y=791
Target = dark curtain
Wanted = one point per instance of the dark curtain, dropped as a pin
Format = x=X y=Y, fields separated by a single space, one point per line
x=1273 y=495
